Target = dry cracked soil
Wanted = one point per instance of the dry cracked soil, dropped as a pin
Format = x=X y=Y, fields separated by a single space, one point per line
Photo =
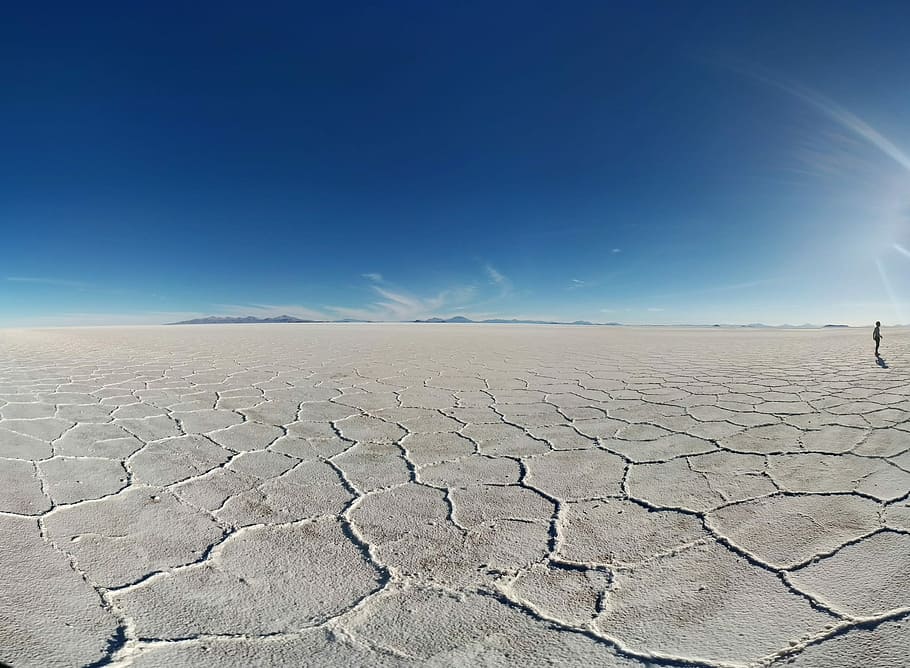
x=477 y=495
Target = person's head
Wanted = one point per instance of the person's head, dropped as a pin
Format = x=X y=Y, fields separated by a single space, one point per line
x=878 y=324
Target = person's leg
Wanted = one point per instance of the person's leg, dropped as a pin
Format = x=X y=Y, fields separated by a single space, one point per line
x=877 y=341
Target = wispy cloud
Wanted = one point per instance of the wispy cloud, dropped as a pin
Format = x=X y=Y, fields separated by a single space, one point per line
x=849 y=121
x=499 y=280
x=584 y=284
x=653 y=309
x=833 y=151
x=616 y=250
x=38 y=280
x=403 y=306
x=496 y=278
x=831 y=109
x=389 y=303
x=399 y=304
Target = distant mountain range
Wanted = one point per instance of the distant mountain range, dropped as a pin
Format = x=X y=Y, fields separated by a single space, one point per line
x=235 y=320
x=761 y=325
x=249 y=319
x=514 y=321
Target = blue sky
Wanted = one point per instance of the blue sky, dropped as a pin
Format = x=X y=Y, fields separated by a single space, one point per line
x=638 y=162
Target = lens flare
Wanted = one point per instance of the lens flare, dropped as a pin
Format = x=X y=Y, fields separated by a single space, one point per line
x=895 y=303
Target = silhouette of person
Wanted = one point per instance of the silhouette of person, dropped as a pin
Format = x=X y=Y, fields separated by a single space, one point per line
x=877 y=336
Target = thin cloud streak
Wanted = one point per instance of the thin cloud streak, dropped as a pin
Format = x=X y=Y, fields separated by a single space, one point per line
x=851 y=122
x=397 y=304
x=832 y=110
x=37 y=280
x=500 y=280
x=393 y=304
x=495 y=277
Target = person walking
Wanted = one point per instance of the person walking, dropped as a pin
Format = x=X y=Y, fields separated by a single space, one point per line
x=877 y=336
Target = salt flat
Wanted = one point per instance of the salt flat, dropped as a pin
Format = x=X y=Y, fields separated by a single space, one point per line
x=392 y=495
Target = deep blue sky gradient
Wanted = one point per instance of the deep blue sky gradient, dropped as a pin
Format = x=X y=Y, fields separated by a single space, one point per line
x=639 y=162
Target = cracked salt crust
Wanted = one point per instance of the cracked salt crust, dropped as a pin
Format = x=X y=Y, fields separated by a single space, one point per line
x=404 y=495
